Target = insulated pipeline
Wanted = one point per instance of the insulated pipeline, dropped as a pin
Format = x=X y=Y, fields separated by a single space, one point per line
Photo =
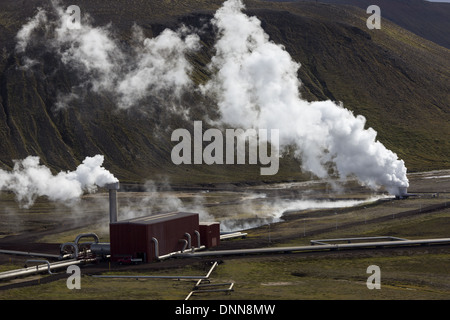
x=325 y=247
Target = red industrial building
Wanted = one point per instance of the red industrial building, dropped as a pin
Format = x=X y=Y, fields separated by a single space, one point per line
x=209 y=234
x=153 y=236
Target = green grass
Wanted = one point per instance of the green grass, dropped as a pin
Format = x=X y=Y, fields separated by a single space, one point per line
x=407 y=277
x=406 y=274
x=336 y=277
x=93 y=288
x=112 y=289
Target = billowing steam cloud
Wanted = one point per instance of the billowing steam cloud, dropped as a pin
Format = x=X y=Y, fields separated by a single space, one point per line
x=24 y=35
x=270 y=210
x=151 y=66
x=256 y=85
x=157 y=199
x=29 y=180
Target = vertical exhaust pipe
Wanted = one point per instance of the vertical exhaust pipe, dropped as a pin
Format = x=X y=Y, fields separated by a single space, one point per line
x=113 y=187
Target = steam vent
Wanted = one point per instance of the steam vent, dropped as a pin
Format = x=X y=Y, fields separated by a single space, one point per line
x=113 y=187
x=402 y=193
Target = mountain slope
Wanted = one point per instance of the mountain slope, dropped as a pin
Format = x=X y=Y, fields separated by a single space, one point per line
x=391 y=76
x=429 y=20
x=394 y=78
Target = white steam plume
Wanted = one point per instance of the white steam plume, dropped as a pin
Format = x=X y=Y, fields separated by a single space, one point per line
x=271 y=211
x=256 y=85
x=255 y=82
x=160 y=63
x=158 y=199
x=24 y=35
x=29 y=180
x=96 y=54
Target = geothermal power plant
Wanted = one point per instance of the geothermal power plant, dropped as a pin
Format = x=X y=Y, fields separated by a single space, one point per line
x=144 y=239
x=156 y=237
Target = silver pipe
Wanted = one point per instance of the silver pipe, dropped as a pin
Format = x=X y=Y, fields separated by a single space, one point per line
x=321 y=247
x=157 y=256
x=198 y=238
x=101 y=248
x=32 y=254
x=232 y=235
x=169 y=255
x=113 y=187
x=161 y=277
x=166 y=256
x=189 y=239
x=211 y=270
x=32 y=270
x=155 y=241
x=74 y=246
x=313 y=242
x=112 y=206
x=214 y=284
x=184 y=245
x=325 y=241
x=151 y=277
x=200 y=280
x=189 y=295
x=213 y=290
x=86 y=235
x=41 y=261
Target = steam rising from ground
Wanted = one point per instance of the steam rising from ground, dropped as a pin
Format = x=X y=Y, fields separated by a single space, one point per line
x=159 y=198
x=29 y=180
x=254 y=84
x=261 y=211
x=257 y=86
x=234 y=210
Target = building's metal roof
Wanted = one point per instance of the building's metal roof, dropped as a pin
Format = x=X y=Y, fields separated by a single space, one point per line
x=157 y=218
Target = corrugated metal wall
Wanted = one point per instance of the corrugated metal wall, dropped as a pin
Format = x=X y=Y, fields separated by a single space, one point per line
x=134 y=237
x=127 y=239
x=209 y=234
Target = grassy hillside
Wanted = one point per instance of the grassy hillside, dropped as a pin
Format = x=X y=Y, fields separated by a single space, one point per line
x=391 y=76
x=429 y=20
x=396 y=79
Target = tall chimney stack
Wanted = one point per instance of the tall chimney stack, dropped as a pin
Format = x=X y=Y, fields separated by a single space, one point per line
x=113 y=187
